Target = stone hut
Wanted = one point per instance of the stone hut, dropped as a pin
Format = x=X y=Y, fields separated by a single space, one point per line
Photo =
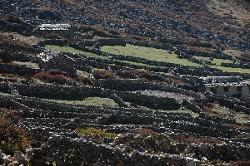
x=54 y=27
x=233 y=86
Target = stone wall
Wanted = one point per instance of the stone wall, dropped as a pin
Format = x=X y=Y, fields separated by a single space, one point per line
x=135 y=84
x=232 y=103
x=79 y=93
x=20 y=70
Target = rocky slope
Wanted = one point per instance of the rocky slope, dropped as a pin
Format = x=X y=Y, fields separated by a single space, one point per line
x=64 y=100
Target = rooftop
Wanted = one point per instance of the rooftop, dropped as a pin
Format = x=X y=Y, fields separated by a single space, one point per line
x=54 y=27
x=223 y=81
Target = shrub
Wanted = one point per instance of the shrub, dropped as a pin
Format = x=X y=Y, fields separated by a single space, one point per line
x=84 y=77
x=53 y=76
x=12 y=138
x=103 y=74
x=94 y=134
x=141 y=73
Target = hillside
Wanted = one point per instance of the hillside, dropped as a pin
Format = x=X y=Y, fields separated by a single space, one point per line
x=125 y=82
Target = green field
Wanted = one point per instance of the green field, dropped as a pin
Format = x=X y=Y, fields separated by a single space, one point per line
x=72 y=50
x=148 y=53
x=231 y=69
x=217 y=65
x=215 y=61
x=90 y=101
x=193 y=114
x=218 y=62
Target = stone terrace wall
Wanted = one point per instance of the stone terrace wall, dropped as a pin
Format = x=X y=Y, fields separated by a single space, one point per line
x=79 y=93
x=134 y=84
x=20 y=70
x=232 y=103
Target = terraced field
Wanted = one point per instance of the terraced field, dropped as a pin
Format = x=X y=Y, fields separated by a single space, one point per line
x=163 y=56
x=123 y=85
x=67 y=49
x=90 y=101
x=148 y=53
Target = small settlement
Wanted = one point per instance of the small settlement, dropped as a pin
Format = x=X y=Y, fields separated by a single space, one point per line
x=233 y=86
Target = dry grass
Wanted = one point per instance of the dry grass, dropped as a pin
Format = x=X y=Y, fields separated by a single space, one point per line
x=84 y=77
x=96 y=135
x=11 y=137
x=26 y=64
x=235 y=8
x=15 y=38
x=240 y=163
x=103 y=74
x=197 y=140
x=52 y=76
x=200 y=49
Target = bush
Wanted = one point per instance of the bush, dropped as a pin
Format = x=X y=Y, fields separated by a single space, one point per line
x=94 y=134
x=53 y=76
x=12 y=138
x=84 y=77
x=103 y=74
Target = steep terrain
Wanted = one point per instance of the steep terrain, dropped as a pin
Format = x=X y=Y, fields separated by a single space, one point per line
x=121 y=86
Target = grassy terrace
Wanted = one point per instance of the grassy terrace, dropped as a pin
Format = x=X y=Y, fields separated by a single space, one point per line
x=215 y=61
x=231 y=69
x=193 y=114
x=163 y=56
x=72 y=50
x=90 y=101
x=217 y=65
x=236 y=53
x=148 y=53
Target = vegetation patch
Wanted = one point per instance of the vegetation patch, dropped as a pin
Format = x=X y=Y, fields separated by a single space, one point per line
x=15 y=38
x=148 y=53
x=52 y=76
x=103 y=74
x=26 y=64
x=89 y=101
x=217 y=110
x=235 y=53
x=216 y=63
x=182 y=110
x=93 y=132
x=231 y=69
x=67 y=49
x=12 y=138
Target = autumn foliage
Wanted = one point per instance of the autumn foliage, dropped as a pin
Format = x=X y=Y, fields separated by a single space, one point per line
x=53 y=76
x=12 y=137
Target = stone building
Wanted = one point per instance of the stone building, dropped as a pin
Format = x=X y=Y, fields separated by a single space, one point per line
x=54 y=27
x=233 y=86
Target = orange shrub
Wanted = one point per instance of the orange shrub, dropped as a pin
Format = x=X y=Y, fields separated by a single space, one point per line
x=103 y=74
x=52 y=76
x=11 y=137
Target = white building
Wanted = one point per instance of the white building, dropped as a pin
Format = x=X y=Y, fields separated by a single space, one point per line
x=233 y=86
x=54 y=27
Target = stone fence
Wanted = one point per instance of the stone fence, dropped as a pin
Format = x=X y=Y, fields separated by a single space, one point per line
x=20 y=70
x=79 y=93
x=135 y=84
x=233 y=103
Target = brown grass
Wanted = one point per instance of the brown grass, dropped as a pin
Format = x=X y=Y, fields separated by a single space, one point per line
x=236 y=8
x=197 y=140
x=52 y=76
x=240 y=163
x=15 y=38
x=103 y=74
x=12 y=137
